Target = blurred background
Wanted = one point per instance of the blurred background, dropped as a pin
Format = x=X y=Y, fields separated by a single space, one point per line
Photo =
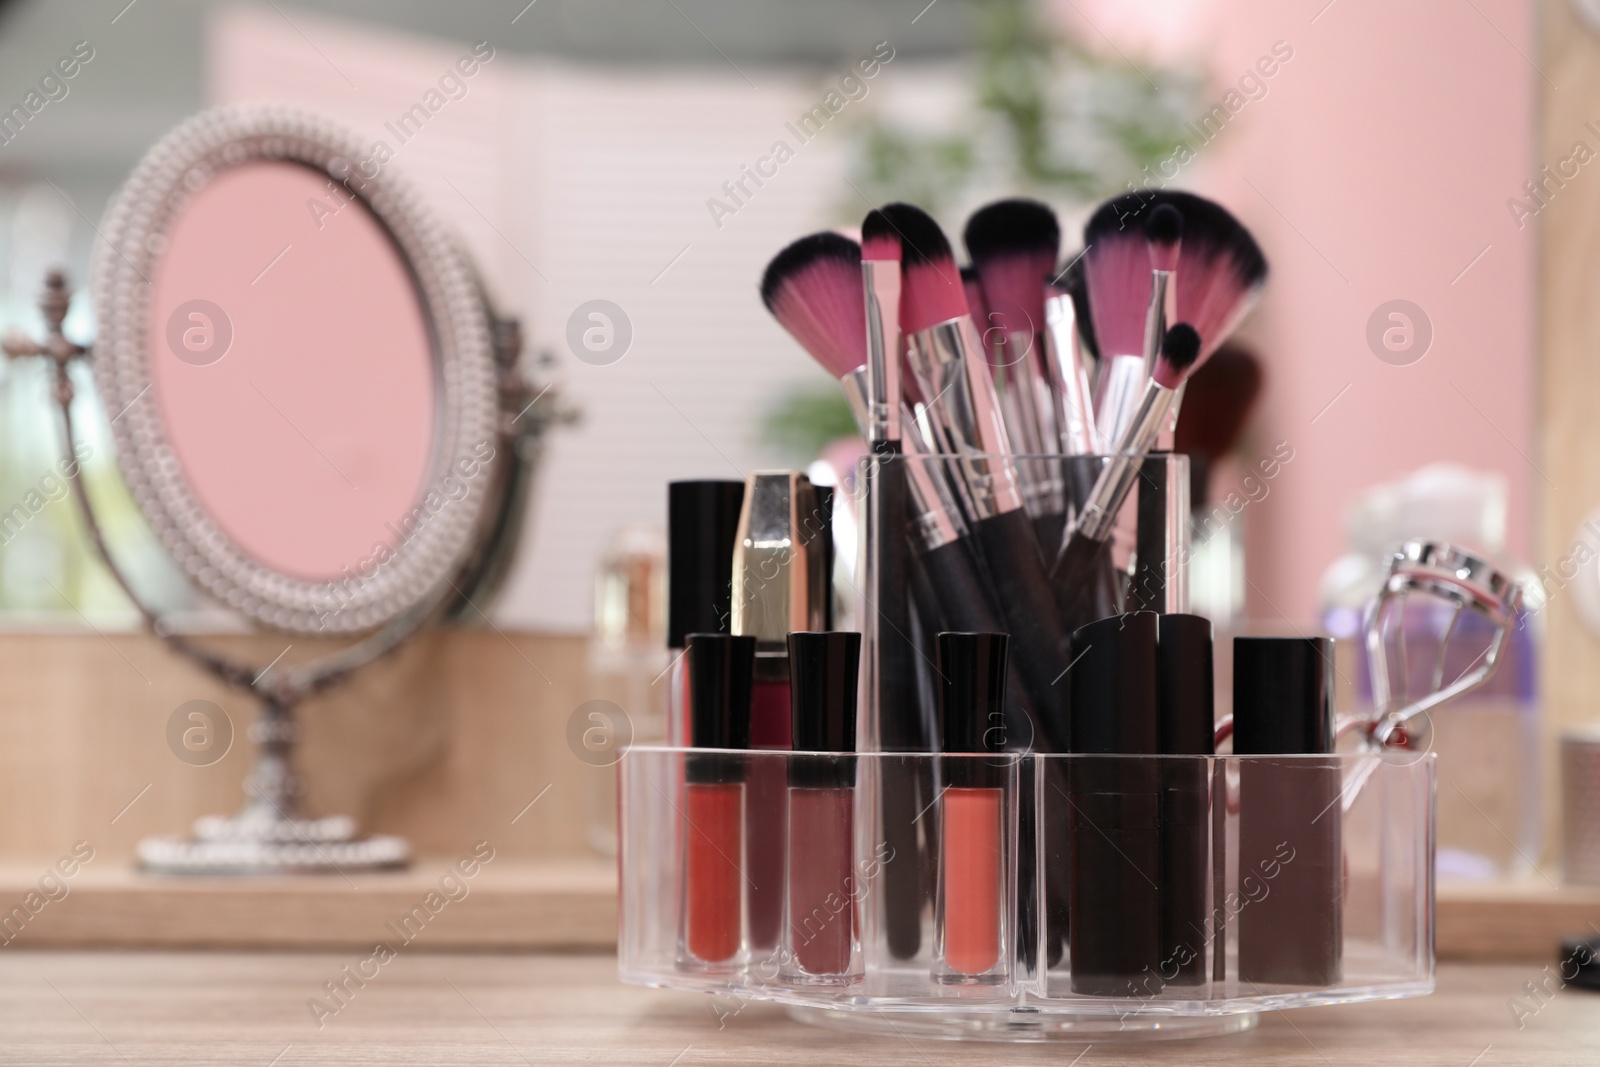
x=588 y=160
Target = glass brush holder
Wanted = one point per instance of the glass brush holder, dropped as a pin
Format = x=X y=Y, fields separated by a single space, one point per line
x=1034 y=893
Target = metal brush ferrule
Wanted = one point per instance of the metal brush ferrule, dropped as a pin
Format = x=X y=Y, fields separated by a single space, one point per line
x=882 y=289
x=1121 y=471
x=936 y=519
x=1161 y=313
x=857 y=386
x=1068 y=379
x=1122 y=381
x=954 y=377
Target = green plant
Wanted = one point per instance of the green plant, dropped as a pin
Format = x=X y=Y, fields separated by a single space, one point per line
x=1050 y=118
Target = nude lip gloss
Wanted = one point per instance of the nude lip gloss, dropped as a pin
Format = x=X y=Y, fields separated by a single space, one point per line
x=821 y=931
x=1289 y=812
x=780 y=586
x=713 y=799
x=971 y=942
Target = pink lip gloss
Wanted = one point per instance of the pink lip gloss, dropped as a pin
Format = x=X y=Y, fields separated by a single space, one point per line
x=971 y=936
x=822 y=932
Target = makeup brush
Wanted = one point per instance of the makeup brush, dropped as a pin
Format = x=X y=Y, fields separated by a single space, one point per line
x=1221 y=271
x=1013 y=245
x=813 y=288
x=820 y=288
x=1117 y=275
x=1083 y=567
x=946 y=356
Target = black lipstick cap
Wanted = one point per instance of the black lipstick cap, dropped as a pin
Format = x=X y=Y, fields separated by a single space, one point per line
x=721 y=672
x=1282 y=696
x=972 y=705
x=702 y=523
x=1113 y=676
x=1185 y=705
x=823 y=673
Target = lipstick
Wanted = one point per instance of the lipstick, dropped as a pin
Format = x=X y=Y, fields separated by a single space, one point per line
x=971 y=933
x=1290 y=858
x=720 y=668
x=821 y=929
x=780 y=585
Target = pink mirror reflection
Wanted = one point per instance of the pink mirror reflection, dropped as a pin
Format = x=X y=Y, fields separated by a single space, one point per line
x=293 y=367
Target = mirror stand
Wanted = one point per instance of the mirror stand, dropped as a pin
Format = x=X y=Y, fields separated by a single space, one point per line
x=270 y=833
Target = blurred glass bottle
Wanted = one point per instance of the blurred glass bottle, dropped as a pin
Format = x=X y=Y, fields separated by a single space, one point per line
x=627 y=655
x=1487 y=740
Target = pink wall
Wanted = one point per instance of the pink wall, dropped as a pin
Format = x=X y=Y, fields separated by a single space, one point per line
x=1377 y=167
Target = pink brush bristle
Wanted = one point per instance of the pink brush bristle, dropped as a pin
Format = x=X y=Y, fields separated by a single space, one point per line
x=813 y=289
x=1116 y=269
x=931 y=291
x=1180 y=355
x=1014 y=244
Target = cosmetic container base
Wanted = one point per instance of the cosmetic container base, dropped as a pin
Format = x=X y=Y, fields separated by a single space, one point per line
x=1024 y=1025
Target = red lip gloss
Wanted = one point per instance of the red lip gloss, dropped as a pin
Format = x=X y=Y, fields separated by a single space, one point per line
x=713 y=799
x=821 y=932
x=780 y=585
x=970 y=938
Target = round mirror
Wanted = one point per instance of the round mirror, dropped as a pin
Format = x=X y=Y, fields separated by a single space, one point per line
x=298 y=366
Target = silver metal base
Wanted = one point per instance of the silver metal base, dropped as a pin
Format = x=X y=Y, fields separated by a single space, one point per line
x=253 y=844
x=1027 y=1026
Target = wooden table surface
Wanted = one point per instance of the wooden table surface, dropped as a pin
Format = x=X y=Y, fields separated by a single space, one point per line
x=136 y=1008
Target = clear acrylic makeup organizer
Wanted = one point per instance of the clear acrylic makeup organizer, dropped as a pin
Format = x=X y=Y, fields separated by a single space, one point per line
x=1379 y=803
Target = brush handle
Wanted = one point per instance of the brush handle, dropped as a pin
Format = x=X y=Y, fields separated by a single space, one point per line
x=1085 y=582
x=1160 y=576
x=1010 y=550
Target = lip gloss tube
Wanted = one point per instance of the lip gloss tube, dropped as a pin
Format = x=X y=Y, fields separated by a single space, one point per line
x=821 y=931
x=971 y=936
x=780 y=586
x=1291 y=875
x=720 y=669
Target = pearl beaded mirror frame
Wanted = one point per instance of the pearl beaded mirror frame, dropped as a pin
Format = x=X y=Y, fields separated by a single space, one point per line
x=304 y=372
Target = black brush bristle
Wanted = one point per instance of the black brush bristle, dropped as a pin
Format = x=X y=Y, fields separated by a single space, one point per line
x=1120 y=217
x=877 y=224
x=1006 y=227
x=802 y=254
x=1181 y=347
x=1211 y=232
x=1070 y=280
x=1164 y=226
x=921 y=240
